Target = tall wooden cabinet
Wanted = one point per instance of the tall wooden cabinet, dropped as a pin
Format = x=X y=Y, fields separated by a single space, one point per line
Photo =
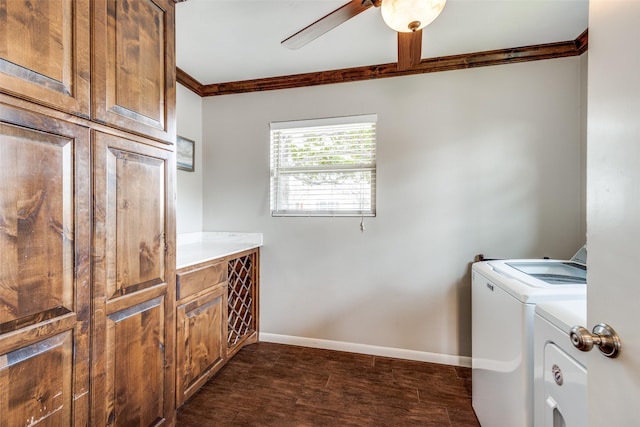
x=45 y=229
x=87 y=215
x=133 y=289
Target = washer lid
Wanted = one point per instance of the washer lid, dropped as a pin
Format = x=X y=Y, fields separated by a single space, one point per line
x=564 y=314
x=525 y=287
x=552 y=272
x=581 y=255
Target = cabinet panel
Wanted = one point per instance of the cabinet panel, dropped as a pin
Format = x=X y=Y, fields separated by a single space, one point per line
x=134 y=66
x=44 y=396
x=134 y=282
x=132 y=213
x=36 y=233
x=44 y=274
x=135 y=365
x=139 y=241
x=45 y=54
x=201 y=340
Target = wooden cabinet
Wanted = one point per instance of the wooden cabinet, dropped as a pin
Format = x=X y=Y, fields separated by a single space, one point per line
x=133 y=288
x=134 y=75
x=44 y=270
x=87 y=215
x=217 y=314
x=201 y=322
x=48 y=49
x=201 y=340
x=44 y=53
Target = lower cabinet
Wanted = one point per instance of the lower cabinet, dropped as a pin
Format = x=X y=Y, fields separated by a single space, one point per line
x=201 y=338
x=216 y=315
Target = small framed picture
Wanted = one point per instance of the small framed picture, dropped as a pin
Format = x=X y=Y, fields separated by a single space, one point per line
x=185 y=154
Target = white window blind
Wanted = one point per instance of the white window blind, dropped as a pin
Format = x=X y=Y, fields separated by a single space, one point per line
x=324 y=167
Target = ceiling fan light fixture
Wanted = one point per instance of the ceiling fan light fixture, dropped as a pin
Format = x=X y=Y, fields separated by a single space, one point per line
x=406 y=16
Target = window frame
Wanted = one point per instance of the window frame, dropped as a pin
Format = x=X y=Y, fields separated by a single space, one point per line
x=366 y=146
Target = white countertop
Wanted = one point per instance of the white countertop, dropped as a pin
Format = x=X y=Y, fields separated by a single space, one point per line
x=194 y=248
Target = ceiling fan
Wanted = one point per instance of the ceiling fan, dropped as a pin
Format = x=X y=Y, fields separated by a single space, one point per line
x=407 y=17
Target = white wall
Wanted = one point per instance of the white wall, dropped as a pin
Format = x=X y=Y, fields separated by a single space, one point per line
x=189 y=184
x=484 y=160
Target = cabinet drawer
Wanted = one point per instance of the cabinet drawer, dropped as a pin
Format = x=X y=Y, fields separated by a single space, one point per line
x=190 y=282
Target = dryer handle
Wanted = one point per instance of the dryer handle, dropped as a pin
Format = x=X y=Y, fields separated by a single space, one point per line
x=603 y=336
x=552 y=415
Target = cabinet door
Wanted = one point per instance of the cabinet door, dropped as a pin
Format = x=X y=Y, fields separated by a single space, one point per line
x=134 y=283
x=44 y=52
x=242 y=301
x=201 y=340
x=44 y=270
x=133 y=76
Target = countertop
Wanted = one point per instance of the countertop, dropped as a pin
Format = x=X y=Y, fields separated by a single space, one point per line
x=194 y=248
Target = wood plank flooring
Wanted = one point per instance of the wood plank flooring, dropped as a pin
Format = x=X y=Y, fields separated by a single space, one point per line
x=268 y=384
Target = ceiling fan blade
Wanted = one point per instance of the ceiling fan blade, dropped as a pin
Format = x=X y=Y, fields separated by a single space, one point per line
x=409 y=49
x=326 y=23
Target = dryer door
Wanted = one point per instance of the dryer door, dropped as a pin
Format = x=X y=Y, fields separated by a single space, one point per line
x=565 y=389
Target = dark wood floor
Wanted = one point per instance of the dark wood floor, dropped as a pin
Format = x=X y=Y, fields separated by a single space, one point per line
x=268 y=384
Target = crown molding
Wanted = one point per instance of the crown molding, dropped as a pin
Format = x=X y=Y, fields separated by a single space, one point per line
x=431 y=65
x=189 y=82
x=582 y=42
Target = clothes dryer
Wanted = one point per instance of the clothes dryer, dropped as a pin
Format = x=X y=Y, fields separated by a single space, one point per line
x=560 y=372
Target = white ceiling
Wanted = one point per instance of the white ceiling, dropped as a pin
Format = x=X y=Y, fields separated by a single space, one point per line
x=229 y=40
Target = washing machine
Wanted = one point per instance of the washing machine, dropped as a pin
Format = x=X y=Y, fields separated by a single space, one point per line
x=504 y=295
x=560 y=369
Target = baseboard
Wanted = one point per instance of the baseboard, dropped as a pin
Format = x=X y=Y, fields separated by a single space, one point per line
x=374 y=350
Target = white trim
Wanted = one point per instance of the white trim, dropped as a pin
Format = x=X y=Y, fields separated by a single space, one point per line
x=374 y=350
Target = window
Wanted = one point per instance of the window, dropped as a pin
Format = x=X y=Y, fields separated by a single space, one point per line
x=324 y=167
